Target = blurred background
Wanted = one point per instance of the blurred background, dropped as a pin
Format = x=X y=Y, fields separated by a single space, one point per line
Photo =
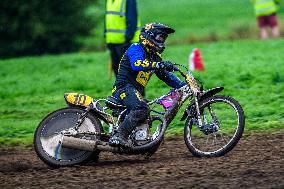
x=44 y=27
x=48 y=48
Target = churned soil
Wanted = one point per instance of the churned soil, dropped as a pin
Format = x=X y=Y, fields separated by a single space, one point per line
x=256 y=162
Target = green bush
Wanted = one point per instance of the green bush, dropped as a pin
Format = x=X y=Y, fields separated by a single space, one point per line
x=38 y=26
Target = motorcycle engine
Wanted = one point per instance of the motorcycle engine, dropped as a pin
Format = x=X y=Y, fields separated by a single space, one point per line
x=141 y=132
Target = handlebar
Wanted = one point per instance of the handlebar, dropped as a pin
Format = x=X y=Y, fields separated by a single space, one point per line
x=190 y=80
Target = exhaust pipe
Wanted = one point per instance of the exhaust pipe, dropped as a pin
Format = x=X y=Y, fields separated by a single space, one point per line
x=88 y=145
x=107 y=148
x=79 y=144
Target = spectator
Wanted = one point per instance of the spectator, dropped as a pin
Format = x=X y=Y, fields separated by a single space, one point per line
x=121 y=28
x=265 y=11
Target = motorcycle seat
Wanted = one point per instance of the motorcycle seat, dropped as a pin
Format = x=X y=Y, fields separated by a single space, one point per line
x=113 y=102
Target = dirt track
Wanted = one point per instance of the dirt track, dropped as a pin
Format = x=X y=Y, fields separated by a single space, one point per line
x=256 y=162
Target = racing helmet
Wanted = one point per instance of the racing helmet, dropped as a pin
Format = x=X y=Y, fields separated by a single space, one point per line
x=154 y=35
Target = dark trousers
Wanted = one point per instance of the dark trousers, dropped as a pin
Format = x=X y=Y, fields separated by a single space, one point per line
x=116 y=52
x=135 y=103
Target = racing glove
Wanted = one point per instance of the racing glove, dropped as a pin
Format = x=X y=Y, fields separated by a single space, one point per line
x=165 y=65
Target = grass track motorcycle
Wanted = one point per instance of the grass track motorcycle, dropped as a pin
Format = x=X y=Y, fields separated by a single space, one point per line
x=80 y=132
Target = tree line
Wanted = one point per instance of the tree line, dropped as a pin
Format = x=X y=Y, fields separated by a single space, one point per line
x=34 y=27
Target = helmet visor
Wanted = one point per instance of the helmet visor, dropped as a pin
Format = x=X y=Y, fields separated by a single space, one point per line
x=161 y=38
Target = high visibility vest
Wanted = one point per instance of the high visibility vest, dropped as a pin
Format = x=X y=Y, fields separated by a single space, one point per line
x=116 y=22
x=264 y=7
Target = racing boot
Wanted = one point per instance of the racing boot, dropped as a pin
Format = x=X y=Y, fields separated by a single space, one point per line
x=119 y=139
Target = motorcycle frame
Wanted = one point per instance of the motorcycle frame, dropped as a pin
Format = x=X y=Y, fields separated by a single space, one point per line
x=192 y=89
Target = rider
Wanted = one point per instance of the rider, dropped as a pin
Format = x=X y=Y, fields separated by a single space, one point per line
x=137 y=65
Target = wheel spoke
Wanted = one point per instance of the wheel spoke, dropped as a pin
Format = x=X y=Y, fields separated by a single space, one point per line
x=216 y=139
x=222 y=138
x=213 y=116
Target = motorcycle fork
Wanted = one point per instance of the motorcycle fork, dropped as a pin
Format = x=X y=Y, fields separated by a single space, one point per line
x=199 y=120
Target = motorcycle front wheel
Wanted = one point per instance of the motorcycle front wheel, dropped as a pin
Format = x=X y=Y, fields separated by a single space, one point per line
x=223 y=123
x=47 y=138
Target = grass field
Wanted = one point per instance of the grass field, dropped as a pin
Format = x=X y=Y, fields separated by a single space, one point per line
x=199 y=18
x=195 y=20
x=251 y=71
x=207 y=19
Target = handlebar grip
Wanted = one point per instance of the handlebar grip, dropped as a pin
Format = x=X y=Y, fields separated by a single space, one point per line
x=175 y=68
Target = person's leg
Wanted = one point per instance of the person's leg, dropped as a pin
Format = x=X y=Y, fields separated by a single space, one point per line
x=274 y=26
x=139 y=111
x=263 y=33
x=275 y=31
x=119 y=50
x=261 y=20
x=114 y=59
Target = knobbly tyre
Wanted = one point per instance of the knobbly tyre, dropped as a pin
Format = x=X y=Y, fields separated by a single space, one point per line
x=75 y=135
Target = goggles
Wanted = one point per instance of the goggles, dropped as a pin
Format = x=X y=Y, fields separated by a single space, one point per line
x=161 y=38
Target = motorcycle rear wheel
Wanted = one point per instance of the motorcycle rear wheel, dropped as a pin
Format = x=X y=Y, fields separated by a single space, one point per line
x=224 y=119
x=47 y=138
